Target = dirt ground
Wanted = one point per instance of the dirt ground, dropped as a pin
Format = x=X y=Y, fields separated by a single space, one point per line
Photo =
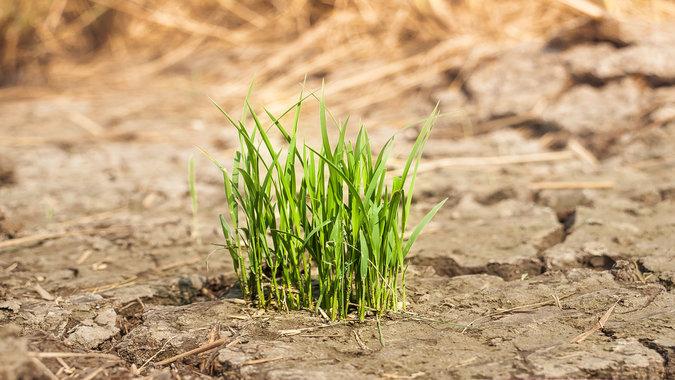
x=553 y=258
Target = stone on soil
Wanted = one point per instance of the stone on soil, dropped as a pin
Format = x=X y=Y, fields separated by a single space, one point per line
x=91 y=333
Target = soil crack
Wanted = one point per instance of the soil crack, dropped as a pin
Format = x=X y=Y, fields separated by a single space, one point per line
x=665 y=352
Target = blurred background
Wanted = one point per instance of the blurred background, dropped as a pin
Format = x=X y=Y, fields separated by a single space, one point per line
x=387 y=61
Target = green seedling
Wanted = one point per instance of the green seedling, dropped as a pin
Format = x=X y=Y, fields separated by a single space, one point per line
x=319 y=228
x=192 y=188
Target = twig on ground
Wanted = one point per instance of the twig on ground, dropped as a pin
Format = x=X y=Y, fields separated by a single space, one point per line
x=584 y=154
x=140 y=369
x=132 y=303
x=292 y=332
x=42 y=367
x=239 y=317
x=492 y=160
x=62 y=226
x=180 y=264
x=46 y=355
x=65 y=367
x=43 y=293
x=11 y=267
x=324 y=315
x=598 y=325
x=505 y=122
x=465 y=362
x=115 y=285
x=93 y=375
x=585 y=7
x=86 y=123
x=83 y=257
x=197 y=350
x=571 y=185
x=359 y=341
x=88 y=218
x=517 y=308
x=261 y=361
x=32 y=239
x=396 y=376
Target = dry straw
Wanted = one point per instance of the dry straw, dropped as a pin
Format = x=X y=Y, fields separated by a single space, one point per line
x=393 y=47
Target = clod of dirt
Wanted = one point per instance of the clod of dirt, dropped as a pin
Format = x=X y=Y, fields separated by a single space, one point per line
x=91 y=333
x=44 y=316
x=85 y=298
x=174 y=329
x=618 y=230
x=232 y=359
x=123 y=296
x=84 y=320
x=605 y=360
x=10 y=305
x=666 y=348
x=585 y=109
x=660 y=267
x=625 y=271
x=658 y=333
x=516 y=82
x=7 y=174
x=504 y=239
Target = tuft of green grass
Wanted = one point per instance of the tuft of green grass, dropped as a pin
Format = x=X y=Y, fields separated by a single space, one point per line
x=318 y=228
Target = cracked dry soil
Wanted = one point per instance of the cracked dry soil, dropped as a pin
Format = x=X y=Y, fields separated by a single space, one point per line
x=506 y=280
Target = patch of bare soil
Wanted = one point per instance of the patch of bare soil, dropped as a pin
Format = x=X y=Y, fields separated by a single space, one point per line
x=552 y=259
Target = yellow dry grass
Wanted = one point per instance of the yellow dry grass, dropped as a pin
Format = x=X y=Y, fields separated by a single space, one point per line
x=391 y=48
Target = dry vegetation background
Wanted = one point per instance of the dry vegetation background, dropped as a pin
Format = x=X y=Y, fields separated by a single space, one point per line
x=371 y=53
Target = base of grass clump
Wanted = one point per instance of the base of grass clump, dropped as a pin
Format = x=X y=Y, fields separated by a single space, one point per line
x=319 y=228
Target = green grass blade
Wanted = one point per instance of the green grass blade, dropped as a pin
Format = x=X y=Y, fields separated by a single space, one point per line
x=420 y=226
x=192 y=185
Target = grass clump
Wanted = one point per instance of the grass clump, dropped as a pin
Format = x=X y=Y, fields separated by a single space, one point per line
x=319 y=228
